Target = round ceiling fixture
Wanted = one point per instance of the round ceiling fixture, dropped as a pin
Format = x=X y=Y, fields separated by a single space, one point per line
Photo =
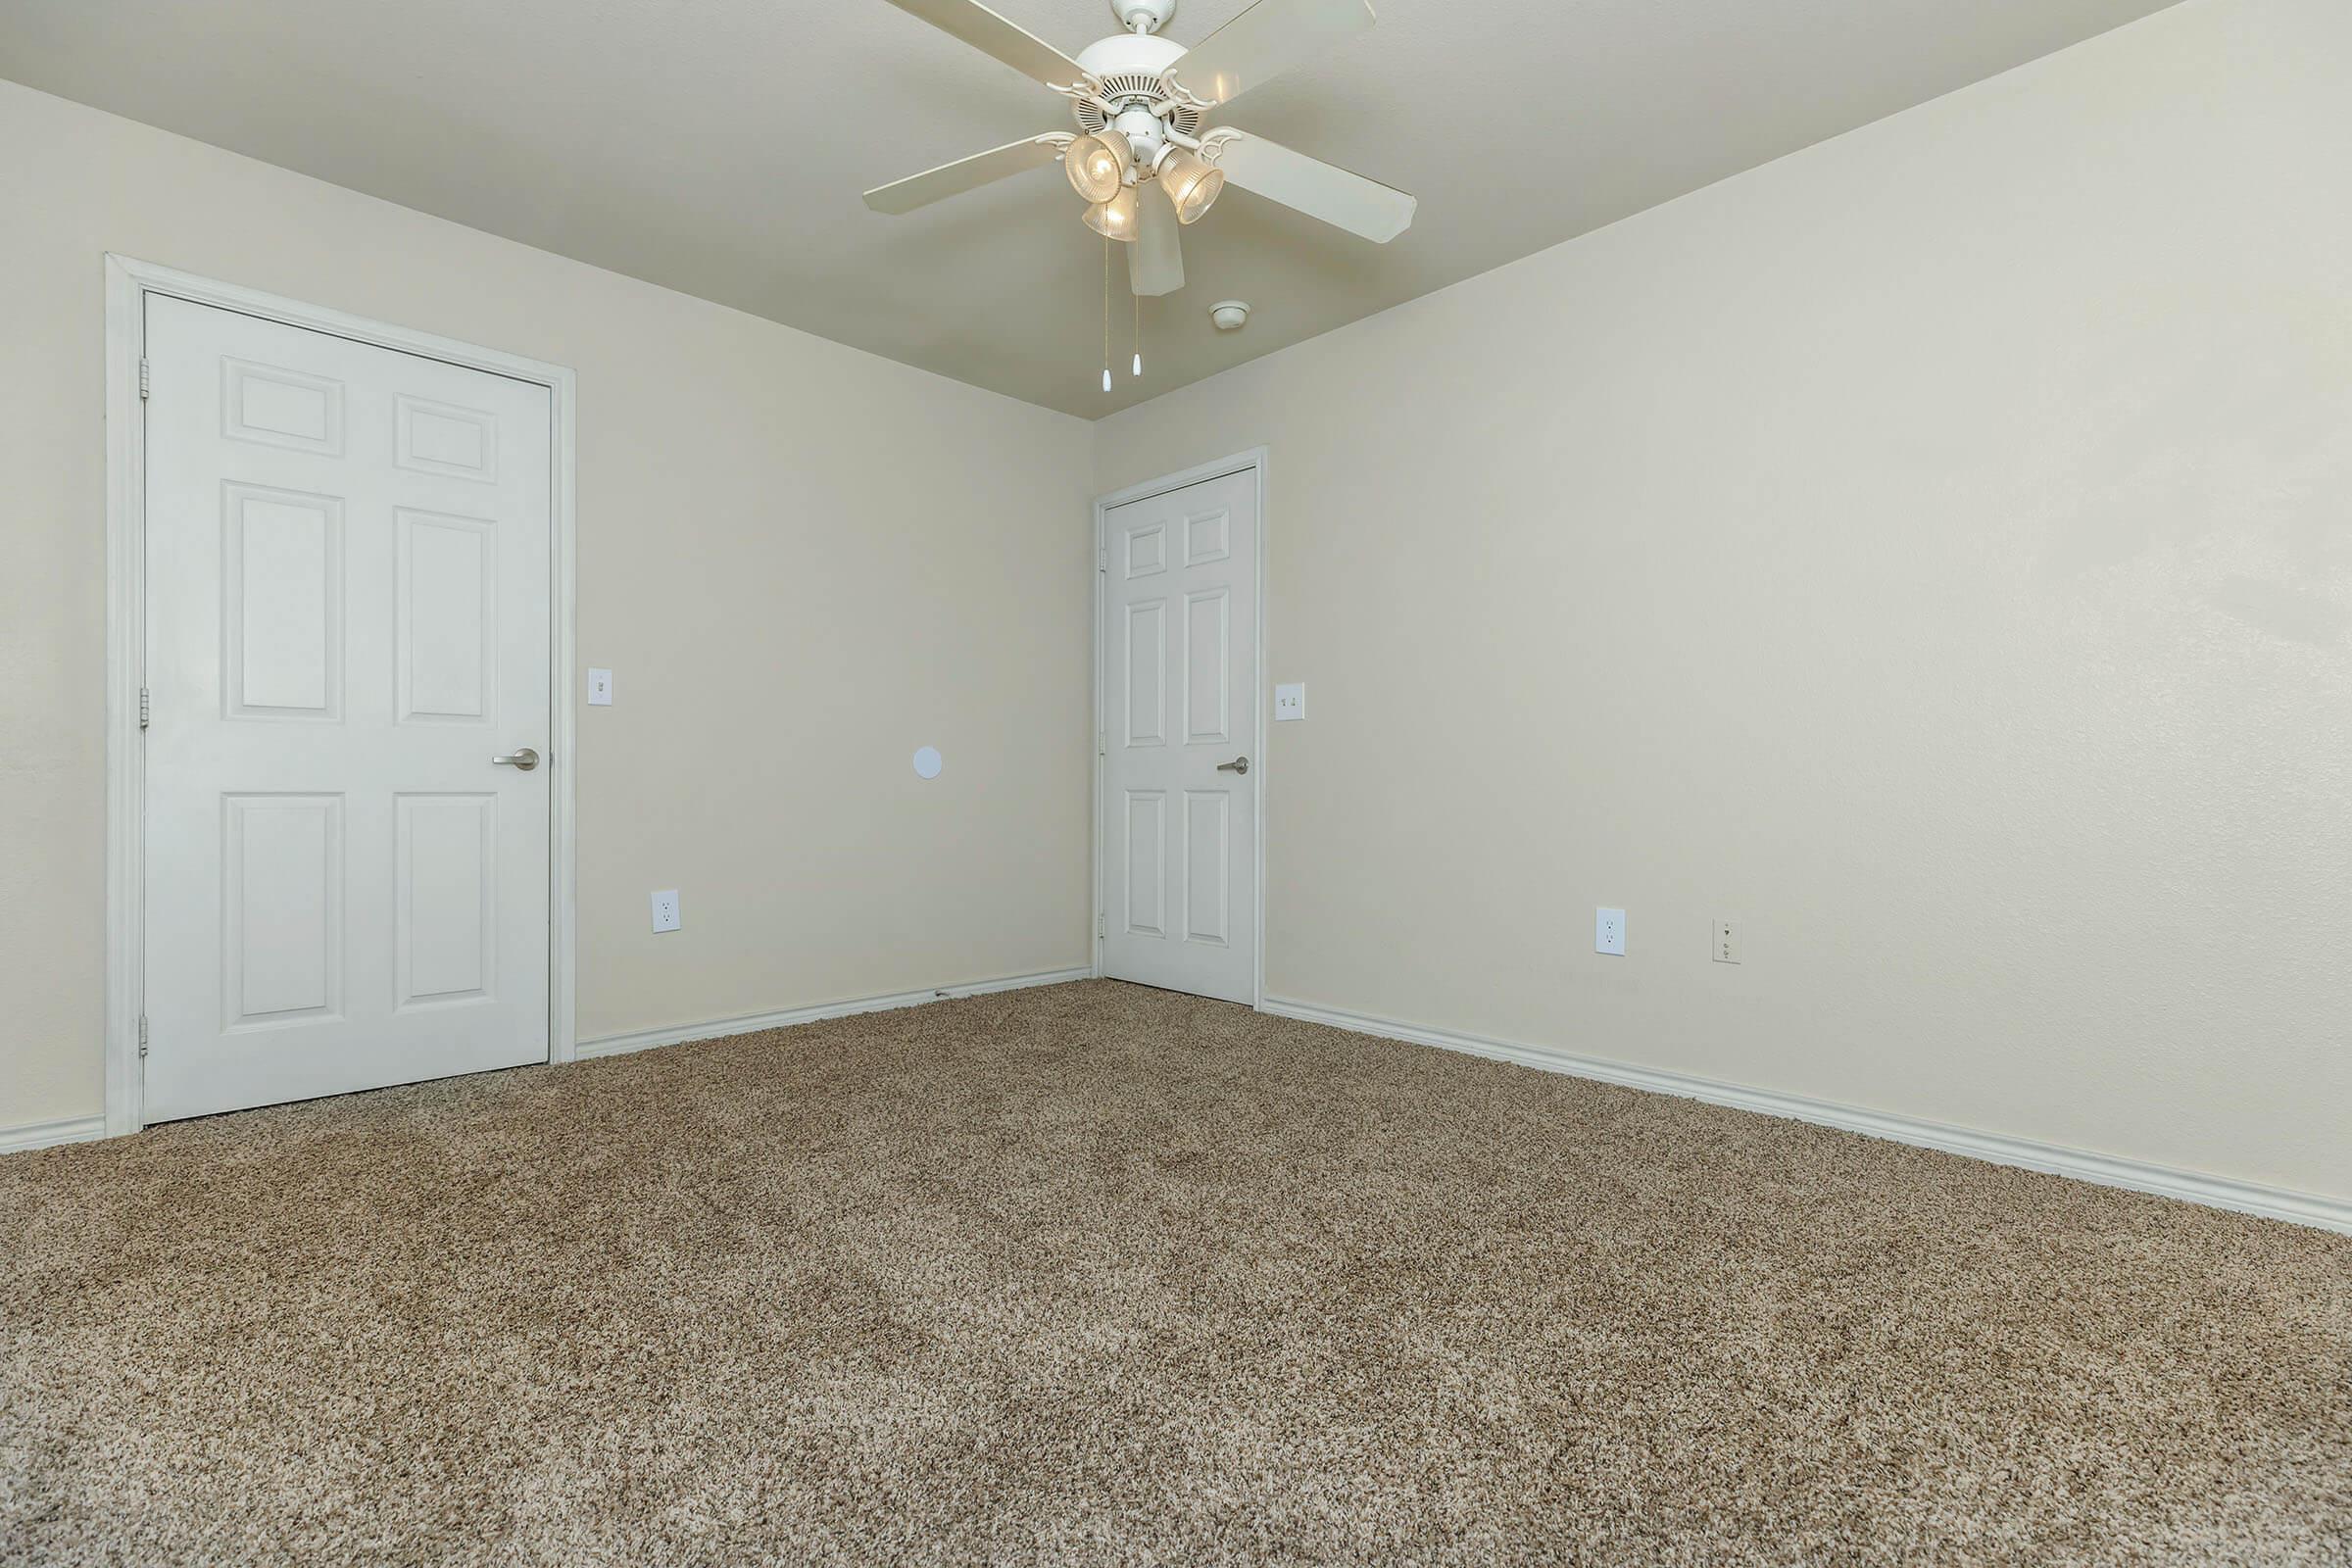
x=1230 y=315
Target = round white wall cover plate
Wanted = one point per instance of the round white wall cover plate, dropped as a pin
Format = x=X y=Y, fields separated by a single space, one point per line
x=926 y=763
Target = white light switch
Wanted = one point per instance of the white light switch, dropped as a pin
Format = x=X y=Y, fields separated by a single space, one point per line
x=600 y=688
x=666 y=911
x=1290 y=702
x=1609 y=931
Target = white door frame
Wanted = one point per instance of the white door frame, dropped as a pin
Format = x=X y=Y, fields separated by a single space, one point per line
x=1253 y=462
x=128 y=283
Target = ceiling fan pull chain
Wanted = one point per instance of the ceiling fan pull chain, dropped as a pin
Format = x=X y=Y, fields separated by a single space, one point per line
x=1106 y=313
x=1139 y=334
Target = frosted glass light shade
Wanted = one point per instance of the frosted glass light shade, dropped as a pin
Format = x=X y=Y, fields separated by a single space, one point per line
x=1189 y=183
x=1115 y=218
x=1097 y=166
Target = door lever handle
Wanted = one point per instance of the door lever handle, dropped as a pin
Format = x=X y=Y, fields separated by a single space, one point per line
x=524 y=759
x=1240 y=764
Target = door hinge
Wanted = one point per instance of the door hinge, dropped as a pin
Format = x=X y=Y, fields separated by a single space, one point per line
x=146 y=707
x=1102 y=560
x=1101 y=742
x=1102 y=928
x=142 y=1034
x=144 y=383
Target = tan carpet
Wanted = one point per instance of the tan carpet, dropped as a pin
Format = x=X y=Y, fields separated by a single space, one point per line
x=1103 y=1275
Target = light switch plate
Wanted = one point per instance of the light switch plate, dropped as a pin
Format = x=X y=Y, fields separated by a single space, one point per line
x=666 y=911
x=600 y=688
x=1609 y=931
x=1290 y=702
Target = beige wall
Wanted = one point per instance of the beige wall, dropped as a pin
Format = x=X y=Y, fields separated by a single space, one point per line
x=1933 y=549
x=802 y=562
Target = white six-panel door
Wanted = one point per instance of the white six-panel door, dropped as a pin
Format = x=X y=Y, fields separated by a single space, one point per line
x=347 y=585
x=1179 y=683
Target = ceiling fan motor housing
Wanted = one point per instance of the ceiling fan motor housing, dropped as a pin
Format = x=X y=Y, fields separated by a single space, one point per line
x=1128 y=66
x=1129 y=54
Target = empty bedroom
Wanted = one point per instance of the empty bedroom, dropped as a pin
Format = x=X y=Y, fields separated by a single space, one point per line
x=1115 y=782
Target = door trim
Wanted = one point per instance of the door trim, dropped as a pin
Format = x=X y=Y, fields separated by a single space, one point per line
x=128 y=283
x=1253 y=462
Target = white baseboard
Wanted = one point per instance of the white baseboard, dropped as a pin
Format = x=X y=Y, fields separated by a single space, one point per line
x=2195 y=1187
x=753 y=1023
x=41 y=1134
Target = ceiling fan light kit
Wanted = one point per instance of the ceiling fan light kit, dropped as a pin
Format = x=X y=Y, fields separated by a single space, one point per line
x=1141 y=155
x=1189 y=181
x=1116 y=218
x=1097 y=166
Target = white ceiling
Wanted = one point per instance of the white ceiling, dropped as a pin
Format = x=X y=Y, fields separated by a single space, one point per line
x=719 y=146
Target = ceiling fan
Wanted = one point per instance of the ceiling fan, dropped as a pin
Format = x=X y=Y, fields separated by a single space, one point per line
x=1139 y=157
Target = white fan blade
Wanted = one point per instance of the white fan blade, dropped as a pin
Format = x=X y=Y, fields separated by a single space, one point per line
x=1360 y=206
x=965 y=174
x=1263 y=41
x=1156 y=261
x=992 y=34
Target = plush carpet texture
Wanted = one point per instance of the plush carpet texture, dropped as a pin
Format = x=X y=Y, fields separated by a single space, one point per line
x=1104 y=1275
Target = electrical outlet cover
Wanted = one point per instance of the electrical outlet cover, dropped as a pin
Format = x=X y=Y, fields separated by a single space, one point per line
x=1608 y=932
x=666 y=911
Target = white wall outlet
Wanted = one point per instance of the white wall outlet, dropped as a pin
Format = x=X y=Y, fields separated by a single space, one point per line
x=600 y=688
x=1726 y=942
x=666 y=911
x=1290 y=702
x=1609 y=931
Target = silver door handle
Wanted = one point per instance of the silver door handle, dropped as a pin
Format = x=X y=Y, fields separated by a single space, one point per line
x=525 y=760
x=1240 y=764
